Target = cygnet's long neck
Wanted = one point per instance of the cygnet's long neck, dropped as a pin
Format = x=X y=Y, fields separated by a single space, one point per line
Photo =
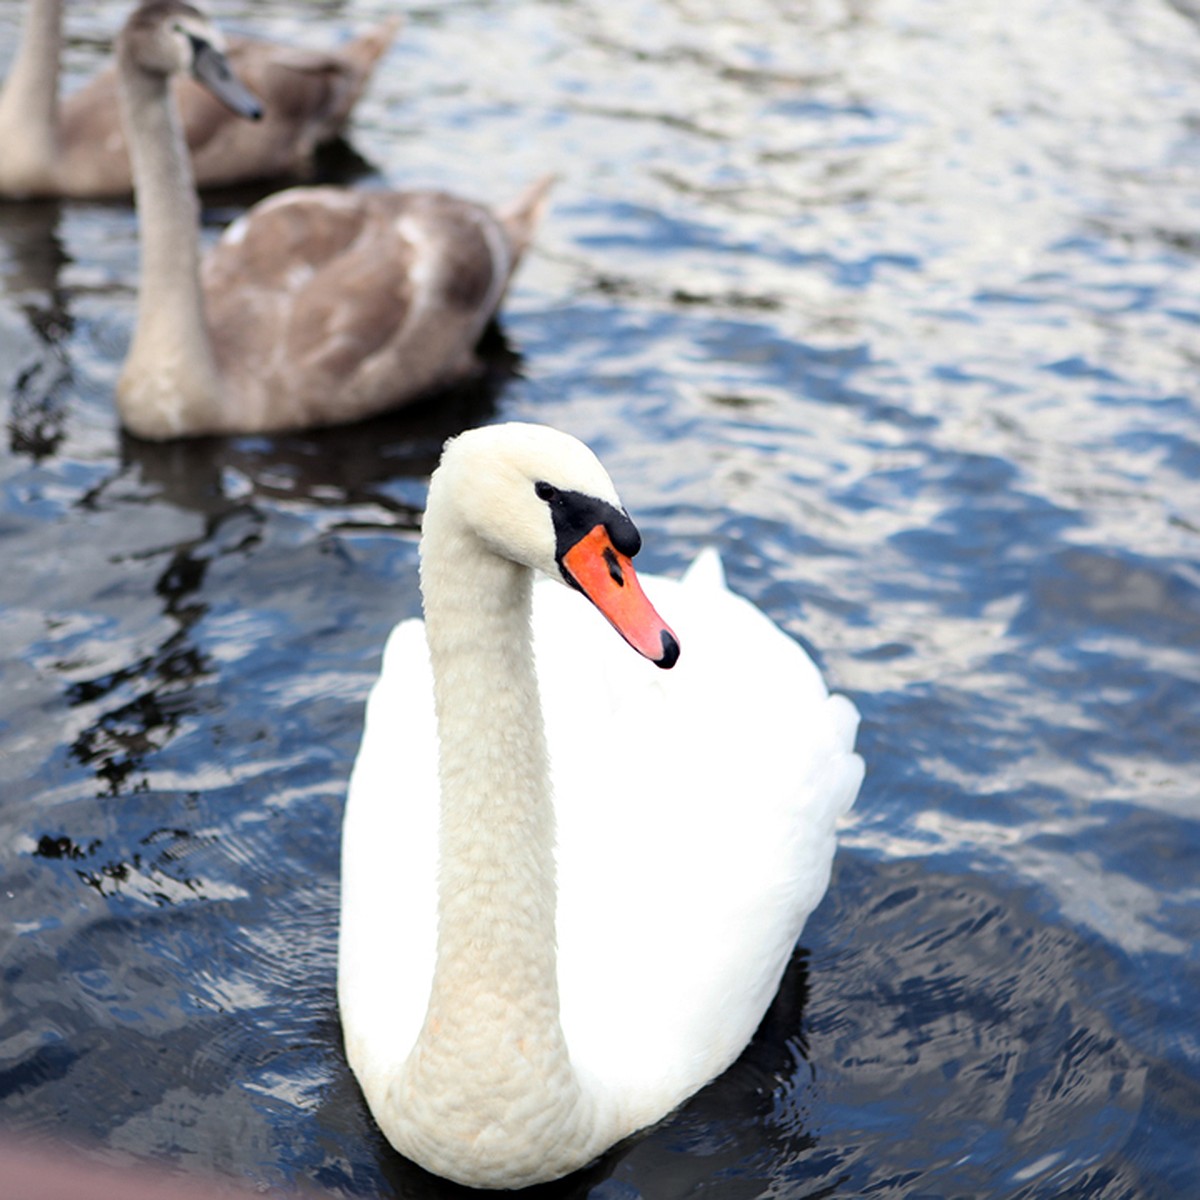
x=29 y=102
x=170 y=378
x=491 y=1057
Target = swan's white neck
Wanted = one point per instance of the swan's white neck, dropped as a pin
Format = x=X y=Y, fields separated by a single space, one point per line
x=170 y=379
x=489 y=1086
x=29 y=103
x=497 y=821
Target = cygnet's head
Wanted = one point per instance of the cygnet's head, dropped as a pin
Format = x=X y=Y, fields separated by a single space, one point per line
x=169 y=37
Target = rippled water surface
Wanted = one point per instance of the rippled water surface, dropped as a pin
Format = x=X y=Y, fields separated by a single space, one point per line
x=898 y=304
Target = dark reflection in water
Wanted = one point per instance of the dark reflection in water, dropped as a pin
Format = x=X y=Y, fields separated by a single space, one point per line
x=31 y=270
x=896 y=305
x=163 y=682
x=341 y=467
x=141 y=705
x=1005 y=1032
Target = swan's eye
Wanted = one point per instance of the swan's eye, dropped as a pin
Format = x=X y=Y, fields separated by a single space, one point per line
x=545 y=491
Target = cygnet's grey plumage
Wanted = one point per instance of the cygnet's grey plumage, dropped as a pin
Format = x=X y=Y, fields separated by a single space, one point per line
x=75 y=146
x=319 y=305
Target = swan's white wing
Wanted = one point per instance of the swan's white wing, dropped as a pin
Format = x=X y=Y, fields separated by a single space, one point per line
x=696 y=813
x=389 y=864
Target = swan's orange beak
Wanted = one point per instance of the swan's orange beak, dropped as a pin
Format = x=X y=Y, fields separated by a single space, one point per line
x=607 y=578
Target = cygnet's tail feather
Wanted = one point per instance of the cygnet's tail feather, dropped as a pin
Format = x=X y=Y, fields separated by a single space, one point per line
x=522 y=216
x=368 y=48
x=355 y=62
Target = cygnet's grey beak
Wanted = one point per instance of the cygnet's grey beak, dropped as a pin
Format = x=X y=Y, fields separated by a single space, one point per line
x=211 y=69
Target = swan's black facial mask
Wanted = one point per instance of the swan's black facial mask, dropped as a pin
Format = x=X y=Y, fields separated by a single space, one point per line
x=595 y=542
x=575 y=515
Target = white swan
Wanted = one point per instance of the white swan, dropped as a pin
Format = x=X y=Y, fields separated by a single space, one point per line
x=318 y=305
x=695 y=813
x=75 y=146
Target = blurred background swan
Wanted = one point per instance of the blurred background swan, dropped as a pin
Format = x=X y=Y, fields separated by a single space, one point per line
x=318 y=305
x=75 y=146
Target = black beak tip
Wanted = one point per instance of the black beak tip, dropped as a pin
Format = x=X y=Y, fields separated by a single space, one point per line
x=670 y=654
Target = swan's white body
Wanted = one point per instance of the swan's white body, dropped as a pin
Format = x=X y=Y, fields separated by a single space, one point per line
x=695 y=812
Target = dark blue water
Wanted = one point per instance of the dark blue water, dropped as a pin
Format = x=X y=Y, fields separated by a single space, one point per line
x=898 y=304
